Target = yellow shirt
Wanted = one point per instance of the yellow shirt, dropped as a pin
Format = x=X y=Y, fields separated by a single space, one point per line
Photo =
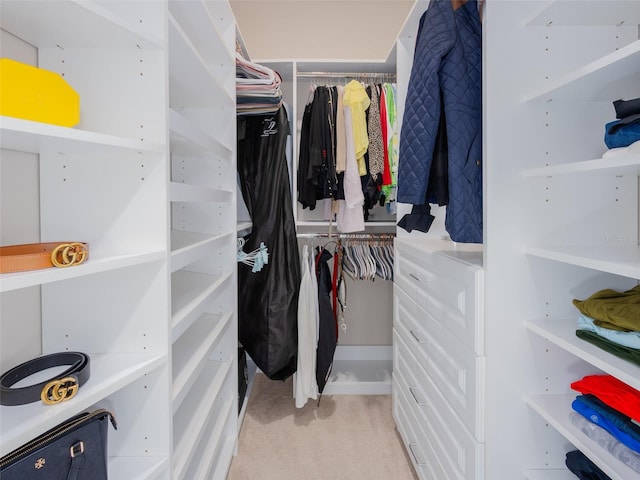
x=356 y=98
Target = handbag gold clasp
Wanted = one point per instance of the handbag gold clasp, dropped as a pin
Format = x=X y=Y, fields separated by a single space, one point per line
x=68 y=254
x=57 y=391
x=76 y=449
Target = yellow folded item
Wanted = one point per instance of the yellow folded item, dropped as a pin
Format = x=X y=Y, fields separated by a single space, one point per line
x=36 y=94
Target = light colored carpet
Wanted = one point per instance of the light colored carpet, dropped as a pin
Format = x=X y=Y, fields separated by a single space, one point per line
x=347 y=437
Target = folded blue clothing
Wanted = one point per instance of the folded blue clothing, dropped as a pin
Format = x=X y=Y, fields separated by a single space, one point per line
x=626 y=339
x=621 y=134
x=622 y=421
x=604 y=419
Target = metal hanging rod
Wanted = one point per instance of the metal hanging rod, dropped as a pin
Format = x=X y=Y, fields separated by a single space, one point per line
x=348 y=236
x=389 y=75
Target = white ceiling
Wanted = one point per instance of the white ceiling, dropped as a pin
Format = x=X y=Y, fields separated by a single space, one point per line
x=320 y=29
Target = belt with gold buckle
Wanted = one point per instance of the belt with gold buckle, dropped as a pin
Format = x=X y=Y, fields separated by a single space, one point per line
x=59 y=388
x=35 y=256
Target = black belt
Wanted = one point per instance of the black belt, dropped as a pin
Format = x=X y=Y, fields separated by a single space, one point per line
x=62 y=387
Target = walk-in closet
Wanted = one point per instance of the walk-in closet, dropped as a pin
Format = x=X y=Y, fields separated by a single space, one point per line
x=186 y=251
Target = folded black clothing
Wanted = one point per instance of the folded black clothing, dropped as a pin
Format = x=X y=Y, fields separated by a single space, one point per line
x=626 y=108
x=629 y=122
x=583 y=468
x=419 y=219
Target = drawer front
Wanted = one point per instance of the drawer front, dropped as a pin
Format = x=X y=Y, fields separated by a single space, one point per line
x=425 y=463
x=451 y=290
x=458 y=373
x=413 y=274
x=459 y=453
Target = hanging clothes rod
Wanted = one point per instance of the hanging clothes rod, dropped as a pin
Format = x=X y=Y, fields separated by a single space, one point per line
x=347 y=74
x=348 y=236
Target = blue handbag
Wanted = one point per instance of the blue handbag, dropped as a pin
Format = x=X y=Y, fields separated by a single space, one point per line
x=74 y=450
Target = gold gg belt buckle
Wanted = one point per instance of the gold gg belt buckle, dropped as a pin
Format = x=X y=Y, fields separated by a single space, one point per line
x=61 y=390
x=68 y=254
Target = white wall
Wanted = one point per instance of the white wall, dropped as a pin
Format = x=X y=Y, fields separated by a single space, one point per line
x=329 y=29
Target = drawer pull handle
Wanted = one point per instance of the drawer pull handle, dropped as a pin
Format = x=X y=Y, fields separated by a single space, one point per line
x=422 y=403
x=418 y=338
x=420 y=463
x=415 y=277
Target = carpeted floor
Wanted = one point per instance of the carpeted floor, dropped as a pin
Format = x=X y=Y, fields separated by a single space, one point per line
x=347 y=437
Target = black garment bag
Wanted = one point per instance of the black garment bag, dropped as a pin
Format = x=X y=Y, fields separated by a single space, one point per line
x=268 y=299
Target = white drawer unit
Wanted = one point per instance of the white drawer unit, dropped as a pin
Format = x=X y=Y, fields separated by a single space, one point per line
x=439 y=367
x=448 y=284
x=457 y=371
x=422 y=456
x=445 y=436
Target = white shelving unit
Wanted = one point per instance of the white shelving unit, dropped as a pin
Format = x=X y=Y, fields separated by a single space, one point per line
x=203 y=236
x=147 y=180
x=104 y=183
x=561 y=220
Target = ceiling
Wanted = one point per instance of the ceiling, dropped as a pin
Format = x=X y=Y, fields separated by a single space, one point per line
x=320 y=29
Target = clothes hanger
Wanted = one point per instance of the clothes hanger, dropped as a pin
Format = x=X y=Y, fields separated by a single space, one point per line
x=362 y=266
x=369 y=267
x=381 y=267
x=355 y=261
x=372 y=261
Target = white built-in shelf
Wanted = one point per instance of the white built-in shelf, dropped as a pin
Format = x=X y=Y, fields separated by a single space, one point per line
x=205 y=32
x=138 y=468
x=55 y=24
x=617 y=259
x=36 y=137
x=613 y=76
x=361 y=370
x=187 y=90
x=191 y=351
x=588 y=12
x=252 y=371
x=195 y=413
x=95 y=264
x=556 y=409
x=214 y=447
x=182 y=192
x=324 y=223
x=241 y=227
x=622 y=165
x=345 y=66
x=555 y=474
x=226 y=452
x=360 y=377
x=188 y=138
x=109 y=373
x=188 y=247
x=562 y=333
x=191 y=294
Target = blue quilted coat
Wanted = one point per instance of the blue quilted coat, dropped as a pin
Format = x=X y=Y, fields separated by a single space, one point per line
x=446 y=79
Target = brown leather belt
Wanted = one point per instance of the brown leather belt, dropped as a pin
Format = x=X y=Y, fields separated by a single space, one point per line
x=36 y=256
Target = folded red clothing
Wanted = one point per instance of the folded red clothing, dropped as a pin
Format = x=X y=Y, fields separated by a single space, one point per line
x=613 y=392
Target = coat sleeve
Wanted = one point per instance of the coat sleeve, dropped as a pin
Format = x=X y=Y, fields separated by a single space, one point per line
x=422 y=107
